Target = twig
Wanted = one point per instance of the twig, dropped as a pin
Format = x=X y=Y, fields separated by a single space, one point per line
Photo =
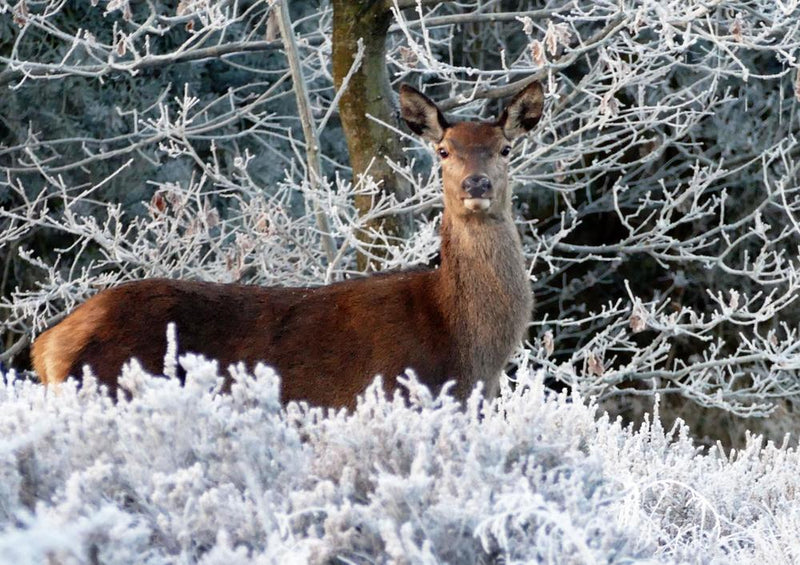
x=479 y=17
x=25 y=339
x=307 y=121
x=335 y=102
x=412 y=3
x=51 y=71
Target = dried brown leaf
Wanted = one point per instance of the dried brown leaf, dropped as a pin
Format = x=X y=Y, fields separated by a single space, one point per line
x=538 y=54
x=548 y=342
x=797 y=85
x=408 y=56
x=273 y=29
x=638 y=319
x=120 y=46
x=594 y=364
x=21 y=13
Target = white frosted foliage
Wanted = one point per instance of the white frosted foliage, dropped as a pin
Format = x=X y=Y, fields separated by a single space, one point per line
x=182 y=474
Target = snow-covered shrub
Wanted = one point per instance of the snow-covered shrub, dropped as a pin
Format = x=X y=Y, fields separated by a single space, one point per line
x=181 y=474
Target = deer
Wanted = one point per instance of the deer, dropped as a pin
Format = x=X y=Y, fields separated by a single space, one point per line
x=460 y=321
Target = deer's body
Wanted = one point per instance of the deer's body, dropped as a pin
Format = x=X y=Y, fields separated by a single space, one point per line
x=459 y=322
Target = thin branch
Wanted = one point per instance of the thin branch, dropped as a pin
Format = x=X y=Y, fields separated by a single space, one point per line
x=479 y=17
x=26 y=338
x=412 y=3
x=357 y=60
x=307 y=121
x=51 y=71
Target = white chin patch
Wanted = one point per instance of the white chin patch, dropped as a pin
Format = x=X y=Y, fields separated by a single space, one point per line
x=477 y=204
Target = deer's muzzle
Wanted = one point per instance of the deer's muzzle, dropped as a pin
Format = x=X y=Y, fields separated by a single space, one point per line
x=477 y=193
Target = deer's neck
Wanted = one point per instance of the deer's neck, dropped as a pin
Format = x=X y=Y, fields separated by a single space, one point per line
x=485 y=293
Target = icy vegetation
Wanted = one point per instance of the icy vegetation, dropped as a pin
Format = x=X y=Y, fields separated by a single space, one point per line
x=181 y=474
x=659 y=206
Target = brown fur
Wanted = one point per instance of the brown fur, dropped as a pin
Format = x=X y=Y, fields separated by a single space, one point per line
x=459 y=322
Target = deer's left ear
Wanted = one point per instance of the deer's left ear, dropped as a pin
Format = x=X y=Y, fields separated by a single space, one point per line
x=523 y=112
x=421 y=115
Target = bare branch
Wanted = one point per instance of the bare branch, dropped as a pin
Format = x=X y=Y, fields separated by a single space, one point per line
x=306 y=119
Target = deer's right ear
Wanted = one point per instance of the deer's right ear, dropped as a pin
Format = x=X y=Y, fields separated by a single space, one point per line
x=422 y=116
x=524 y=111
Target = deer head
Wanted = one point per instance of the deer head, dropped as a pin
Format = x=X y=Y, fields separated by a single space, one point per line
x=474 y=155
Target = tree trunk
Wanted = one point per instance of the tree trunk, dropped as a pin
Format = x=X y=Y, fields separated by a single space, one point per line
x=368 y=92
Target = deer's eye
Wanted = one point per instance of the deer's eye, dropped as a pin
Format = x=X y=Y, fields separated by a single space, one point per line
x=506 y=151
x=442 y=153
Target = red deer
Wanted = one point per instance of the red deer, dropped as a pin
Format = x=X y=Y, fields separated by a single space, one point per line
x=458 y=322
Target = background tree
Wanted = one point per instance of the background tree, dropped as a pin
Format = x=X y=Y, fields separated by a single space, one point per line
x=364 y=24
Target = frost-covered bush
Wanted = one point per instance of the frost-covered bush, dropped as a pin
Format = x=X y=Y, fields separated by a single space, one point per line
x=181 y=474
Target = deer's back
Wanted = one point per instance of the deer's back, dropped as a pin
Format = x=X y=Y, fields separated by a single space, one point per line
x=327 y=343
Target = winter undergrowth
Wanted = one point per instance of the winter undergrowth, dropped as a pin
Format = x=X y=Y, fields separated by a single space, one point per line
x=182 y=474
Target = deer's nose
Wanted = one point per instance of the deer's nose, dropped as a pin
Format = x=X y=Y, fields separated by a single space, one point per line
x=477 y=186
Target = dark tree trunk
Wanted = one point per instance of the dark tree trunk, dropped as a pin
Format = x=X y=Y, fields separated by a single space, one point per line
x=368 y=92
